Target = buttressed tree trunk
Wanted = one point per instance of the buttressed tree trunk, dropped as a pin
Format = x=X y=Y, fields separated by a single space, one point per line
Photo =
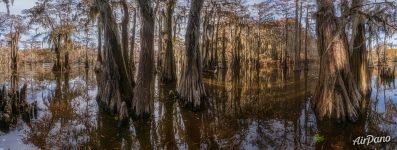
x=114 y=85
x=191 y=88
x=336 y=96
x=144 y=87
x=359 y=57
x=168 y=70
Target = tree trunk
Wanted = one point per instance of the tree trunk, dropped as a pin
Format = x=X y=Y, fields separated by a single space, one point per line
x=160 y=41
x=57 y=49
x=224 y=65
x=124 y=33
x=359 y=57
x=297 y=40
x=14 y=51
x=144 y=87
x=191 y=88
x=100 y=30
x=132 y=47
x=336 y=95
x=168 y=70
x=114 y=85
x=306 y=37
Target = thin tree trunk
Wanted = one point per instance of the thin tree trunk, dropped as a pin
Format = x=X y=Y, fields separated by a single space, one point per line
x=100 y=30
x=132 y=47
x=168 y=70
x=306 y=37
x=296 y=42
x=124 y=33
x=160 y=41
x=224 y=65
x=191 y=88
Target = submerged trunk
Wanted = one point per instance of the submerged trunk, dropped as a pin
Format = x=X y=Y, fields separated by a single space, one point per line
x=336 y=95
x=191 y=88
x=114 y=85
x=359 y=57
x=144 y=88
x=168 y=70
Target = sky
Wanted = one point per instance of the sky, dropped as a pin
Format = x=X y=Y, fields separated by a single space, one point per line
x=20 y=5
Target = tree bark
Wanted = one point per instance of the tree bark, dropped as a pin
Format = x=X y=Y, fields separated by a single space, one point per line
x=336 y=95
x=191 y=88
x=124 y=33
x=359 y=57
x=168 y=70
x=144 y=87
x=160 y=41
x=224 y=65
x=132 y=47
x=306 y=37
x=114 y=85
x=14 y=37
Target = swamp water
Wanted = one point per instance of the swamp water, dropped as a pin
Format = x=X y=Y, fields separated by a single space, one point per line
x=251 y=109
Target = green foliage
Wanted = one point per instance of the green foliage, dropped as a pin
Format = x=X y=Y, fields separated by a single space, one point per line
x=318 y=138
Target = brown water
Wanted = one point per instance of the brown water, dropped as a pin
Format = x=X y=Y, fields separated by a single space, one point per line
x=265 y=109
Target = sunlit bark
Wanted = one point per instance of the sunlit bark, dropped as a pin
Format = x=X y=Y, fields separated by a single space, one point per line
x=359 y=56
x=336 y=95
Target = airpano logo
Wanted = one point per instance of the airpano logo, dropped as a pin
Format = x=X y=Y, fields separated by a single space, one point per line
x=361 y=140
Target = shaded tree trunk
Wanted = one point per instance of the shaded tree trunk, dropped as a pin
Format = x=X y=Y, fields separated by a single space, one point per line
x=124 y=33
x=297 y=38
x=57 y=49
x=160 y=41
x=168 y=70
x=336 y=95
x=144 y=88
x=306 y=37
x=114 y=85
x=14 y=51
x=191 y=88
x=132 y=45
x=359 y=57
x=224 y=65
x=100 y=31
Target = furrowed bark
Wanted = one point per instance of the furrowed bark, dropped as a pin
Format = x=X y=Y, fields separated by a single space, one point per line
x=191 y=88
x=336 y=95
x=114 y=85
x=168 y=70
x=144 y=84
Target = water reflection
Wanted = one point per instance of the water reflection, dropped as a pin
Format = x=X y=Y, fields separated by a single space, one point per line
x=248 y=109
